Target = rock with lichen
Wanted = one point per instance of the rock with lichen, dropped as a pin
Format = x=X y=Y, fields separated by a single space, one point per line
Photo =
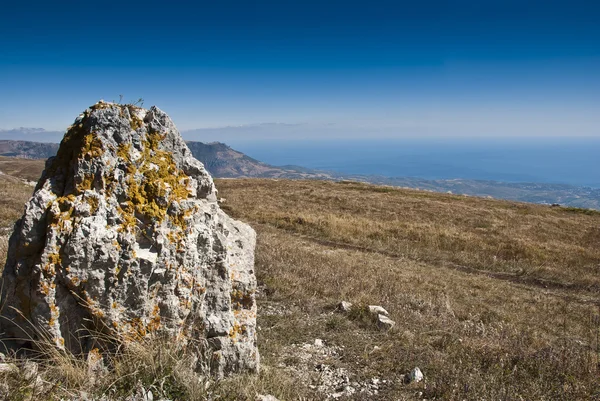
x=122 y=239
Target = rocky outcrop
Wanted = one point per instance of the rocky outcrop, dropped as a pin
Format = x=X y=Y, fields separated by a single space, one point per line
x=124 y=237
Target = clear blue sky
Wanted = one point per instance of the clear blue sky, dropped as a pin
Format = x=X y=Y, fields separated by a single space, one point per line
x=399 y=68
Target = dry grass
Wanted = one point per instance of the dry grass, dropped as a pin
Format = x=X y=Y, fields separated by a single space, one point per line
x=506 y=334
x=475 y=337
x=151 y=365
x=13 y=195
x=28 y=169
x=492 y=299
x=530 y=241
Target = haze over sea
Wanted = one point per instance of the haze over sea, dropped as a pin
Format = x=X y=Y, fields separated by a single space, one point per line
x=574 y=161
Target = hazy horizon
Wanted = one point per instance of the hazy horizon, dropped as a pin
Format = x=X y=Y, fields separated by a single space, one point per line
x=298 y=132
x=558 y=160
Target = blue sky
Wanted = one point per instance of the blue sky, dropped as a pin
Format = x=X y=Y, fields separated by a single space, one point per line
x=337 y=68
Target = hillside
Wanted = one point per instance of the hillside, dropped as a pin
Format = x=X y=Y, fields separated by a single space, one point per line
x=224 y=162
x=219 y=159
x=27 y=150
x=491 y=299
x=23 y=169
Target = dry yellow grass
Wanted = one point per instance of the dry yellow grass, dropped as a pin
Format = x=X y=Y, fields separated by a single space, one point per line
x=13 y=195
x=492 y=299
x=28 y=169
x=525 y=241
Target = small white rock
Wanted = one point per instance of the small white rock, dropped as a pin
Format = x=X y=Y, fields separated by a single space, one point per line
x=318 y=342
x=148 y=396
x=344 y=306
x=267 y=397
x=8 y=367
x=384 y=322
x=30 y=370
x=378 y=310
x=416 y=375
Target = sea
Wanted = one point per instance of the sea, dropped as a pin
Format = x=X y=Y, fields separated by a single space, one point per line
x=573 y=161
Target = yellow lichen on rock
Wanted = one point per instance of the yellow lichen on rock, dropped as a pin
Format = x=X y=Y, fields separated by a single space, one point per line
x=123 y=151
x=241 y=299
x=136 y=122
x=154 y=182
x=154 y=323
x=236 y=330
x=94 y=204
x=92 y=146
x=86 y=183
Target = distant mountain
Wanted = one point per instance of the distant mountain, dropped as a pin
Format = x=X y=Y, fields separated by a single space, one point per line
x=220 y=160
x=224 y=162
x=27 y=149
x=32 y=134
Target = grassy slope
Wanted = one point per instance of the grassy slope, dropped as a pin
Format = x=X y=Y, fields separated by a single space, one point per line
x=492 y=299
x=13 y=195
x=28 y=169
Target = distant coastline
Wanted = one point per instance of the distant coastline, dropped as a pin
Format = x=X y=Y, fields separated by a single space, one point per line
x=511 y=160
x=418 y=165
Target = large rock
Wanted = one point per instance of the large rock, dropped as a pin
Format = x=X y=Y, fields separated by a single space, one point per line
x=123 y=236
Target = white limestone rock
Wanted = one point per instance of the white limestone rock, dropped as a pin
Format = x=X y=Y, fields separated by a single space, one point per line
x=344 y=307
x=416 y=375
x=8 y=367
x=268 y=397
x=124 y=236
x=378 y=310
x=384 y=323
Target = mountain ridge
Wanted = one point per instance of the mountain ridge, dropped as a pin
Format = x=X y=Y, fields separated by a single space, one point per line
x=222 y=161
x=225 y=162
x=27 y=149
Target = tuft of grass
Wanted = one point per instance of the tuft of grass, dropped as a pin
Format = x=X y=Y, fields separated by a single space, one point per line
x=3 y=250
x=153 y=364
x=589 y=212
x=361 y=315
